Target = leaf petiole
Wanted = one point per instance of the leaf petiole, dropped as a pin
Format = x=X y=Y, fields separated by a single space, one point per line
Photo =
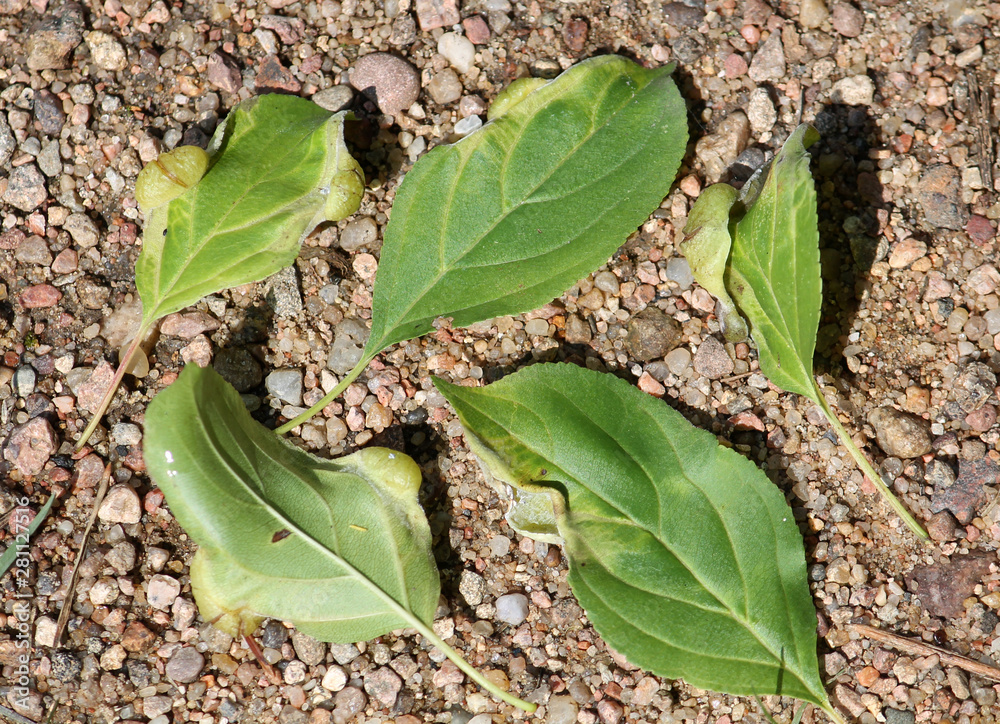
x=328 y=397
x=867 y=469
x=428 y=633
x=116 y=381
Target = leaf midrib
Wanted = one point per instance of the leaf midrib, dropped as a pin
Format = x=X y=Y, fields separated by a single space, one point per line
x=701 y=654
x=403 y=611
x=626 y=519
x=442 y=272
x=771 y=224
x=165 y=291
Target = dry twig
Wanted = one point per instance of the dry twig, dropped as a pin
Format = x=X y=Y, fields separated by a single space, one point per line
x=979 y=110
x=912 y=646
x=67 y=607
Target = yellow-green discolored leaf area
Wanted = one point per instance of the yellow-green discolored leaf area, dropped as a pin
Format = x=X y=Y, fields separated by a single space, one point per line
x=685 y=556
x=511 y=216
x=341 y=548
x=278 y=166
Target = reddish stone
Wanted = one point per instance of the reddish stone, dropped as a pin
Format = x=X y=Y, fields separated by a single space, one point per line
x=868 y=676
x=152 y=501
x=11 y=239
x=735 y=65
x=746 y=420
x=941 y=588
x=272 y=75
x=982 y=419
x=223 y=72
x=65 y=262
x=137 y=638
x=902 y=143
x=437 y=14
x=311 y=64
x=649 y=385
x=968 y=492
x=90 y=394
x=40 y=296
x=89 y=471
x=575 y=34
x=476 y=29
x=750 y=34
x=980 y=229
x=31 y=445
x=134 y=460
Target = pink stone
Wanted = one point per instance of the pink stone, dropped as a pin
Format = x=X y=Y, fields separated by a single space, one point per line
x=980 y=229
x=649 y=385
x=437 y=13
x=31 y=445
x=66 y=262
x=89 y=471
x=91 y=392
x=40 y=296
x=448 y=674
x=188 y=326
x=746 y=420
x=476 y=29
x=750 y=34
x=982 y=419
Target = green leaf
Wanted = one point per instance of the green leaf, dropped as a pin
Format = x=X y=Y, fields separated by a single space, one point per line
x=774 y=270
x=279 y=167
x=10 y=554
x=511 y=216
x=340 y=548
x=684 y=555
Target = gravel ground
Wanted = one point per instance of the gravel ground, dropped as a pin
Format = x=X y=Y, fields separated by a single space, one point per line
x=908 y=344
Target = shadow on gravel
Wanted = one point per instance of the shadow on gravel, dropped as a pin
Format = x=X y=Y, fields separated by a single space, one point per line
x=853 y=212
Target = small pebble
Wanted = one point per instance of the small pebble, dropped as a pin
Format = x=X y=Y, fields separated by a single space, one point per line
x=469 y=124
x=285 y=385
x=162 y=591
x=768 y=64
x=24 y=380
x=848 y=20
x=900 y=434
x=512 y=609
x=712 y=360
x=499 y=546
x=812 y=13
x=939 y=192
x=358 y=233
x=383 y=685
x=335 y=98
x=26 y=188
x=106 y=51
x=185 y=665
x=857 y=90
x=651 y=334
x=388 y=80
x=458 y=50
x=472 y=586
x=335 y=679
x=126 y=433
x=761 y=111
x=436 y=13
x=445 y=87
x=121 y=505
x=678 y=360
